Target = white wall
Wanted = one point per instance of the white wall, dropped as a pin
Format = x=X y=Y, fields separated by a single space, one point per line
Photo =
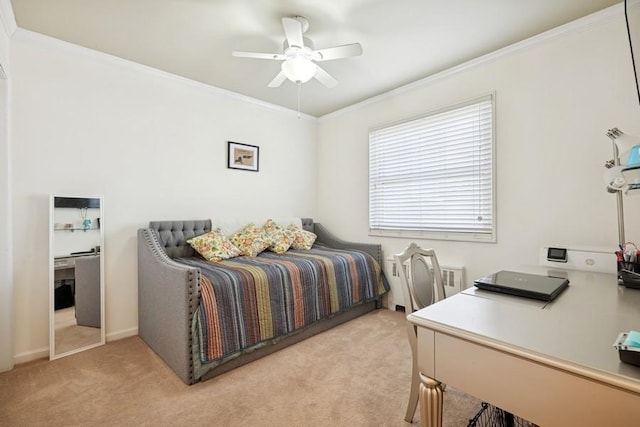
x=153 y=145
x=556 y=96
x=7 y=26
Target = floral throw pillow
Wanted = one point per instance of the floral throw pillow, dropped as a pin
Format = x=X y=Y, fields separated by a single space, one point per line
x=279 y=238
x=214 y=246
x=251 y=240
x=303 y=239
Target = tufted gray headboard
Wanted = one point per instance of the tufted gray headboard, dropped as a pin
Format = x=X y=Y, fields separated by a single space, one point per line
x=307 y=224
x=173 y=235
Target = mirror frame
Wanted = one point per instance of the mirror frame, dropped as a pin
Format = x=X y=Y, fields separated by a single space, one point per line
x=52 y=324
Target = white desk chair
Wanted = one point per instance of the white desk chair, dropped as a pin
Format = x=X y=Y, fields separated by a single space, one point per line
x=421 y=286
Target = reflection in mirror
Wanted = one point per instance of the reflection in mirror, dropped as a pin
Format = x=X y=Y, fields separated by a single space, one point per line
x=76 y=288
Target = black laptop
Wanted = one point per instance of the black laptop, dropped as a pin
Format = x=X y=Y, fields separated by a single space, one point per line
x=543 y=288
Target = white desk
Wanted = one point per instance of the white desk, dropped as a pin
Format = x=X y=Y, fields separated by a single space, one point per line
x=553 y=364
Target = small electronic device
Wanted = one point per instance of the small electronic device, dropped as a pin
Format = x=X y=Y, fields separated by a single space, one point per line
x=76 y=202
x=628 y=348
x=557 y=254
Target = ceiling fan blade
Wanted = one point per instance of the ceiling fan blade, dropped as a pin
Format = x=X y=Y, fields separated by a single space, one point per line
x=338 y=52
x=258 y=55
x=278 y=80
x=325 y=78
x=293 y=31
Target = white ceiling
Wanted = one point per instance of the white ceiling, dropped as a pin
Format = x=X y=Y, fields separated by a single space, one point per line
x=403 y=40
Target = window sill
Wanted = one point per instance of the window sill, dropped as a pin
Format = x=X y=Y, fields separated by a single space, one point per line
x=436 y=235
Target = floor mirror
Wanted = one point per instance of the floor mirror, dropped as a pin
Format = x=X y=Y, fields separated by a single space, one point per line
x=76 y=274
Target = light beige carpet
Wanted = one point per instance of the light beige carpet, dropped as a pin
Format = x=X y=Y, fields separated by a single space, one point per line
x=70 y=335
x=357 y=374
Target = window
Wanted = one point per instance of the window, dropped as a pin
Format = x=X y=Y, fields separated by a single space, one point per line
x=432 y=177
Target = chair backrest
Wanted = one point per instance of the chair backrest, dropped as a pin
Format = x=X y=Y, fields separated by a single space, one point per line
x=87 y=285
x=421 y=277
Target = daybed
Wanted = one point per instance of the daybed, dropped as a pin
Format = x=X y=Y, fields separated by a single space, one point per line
x=205 y=318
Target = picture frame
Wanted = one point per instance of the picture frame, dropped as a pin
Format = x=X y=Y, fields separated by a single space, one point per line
x=243 y=156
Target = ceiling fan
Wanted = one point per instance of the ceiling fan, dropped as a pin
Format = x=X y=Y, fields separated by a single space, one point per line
x=299 y=58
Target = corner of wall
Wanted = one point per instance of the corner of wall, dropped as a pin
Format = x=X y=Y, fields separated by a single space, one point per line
x=7 y=361
x=7 y=17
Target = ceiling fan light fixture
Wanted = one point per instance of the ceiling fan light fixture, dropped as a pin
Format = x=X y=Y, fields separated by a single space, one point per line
x=299 y=57
x=299 y=70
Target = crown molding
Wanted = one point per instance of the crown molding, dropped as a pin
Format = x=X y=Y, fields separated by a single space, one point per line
x=7 y=17
x=611 y=12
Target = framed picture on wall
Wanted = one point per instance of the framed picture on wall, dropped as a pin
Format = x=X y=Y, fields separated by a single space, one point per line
x=242 y=156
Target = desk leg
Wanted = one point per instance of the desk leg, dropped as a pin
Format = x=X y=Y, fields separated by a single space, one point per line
x=430 y=402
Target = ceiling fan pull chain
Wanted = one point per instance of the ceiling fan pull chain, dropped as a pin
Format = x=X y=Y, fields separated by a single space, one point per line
x=299 y=90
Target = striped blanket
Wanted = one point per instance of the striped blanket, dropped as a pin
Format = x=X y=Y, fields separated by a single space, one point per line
x=247 y=300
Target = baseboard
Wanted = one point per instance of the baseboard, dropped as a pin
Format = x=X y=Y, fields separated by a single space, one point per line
x=28 y=356
x=43 y=353
x=126 y=333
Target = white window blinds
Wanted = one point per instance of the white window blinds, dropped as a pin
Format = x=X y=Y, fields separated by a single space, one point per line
x=434 y=174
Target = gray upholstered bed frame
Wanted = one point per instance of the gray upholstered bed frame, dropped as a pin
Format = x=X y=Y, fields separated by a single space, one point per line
x=169 y=292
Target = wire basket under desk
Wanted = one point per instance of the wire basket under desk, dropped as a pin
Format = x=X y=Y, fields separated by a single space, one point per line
x=492 y=416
